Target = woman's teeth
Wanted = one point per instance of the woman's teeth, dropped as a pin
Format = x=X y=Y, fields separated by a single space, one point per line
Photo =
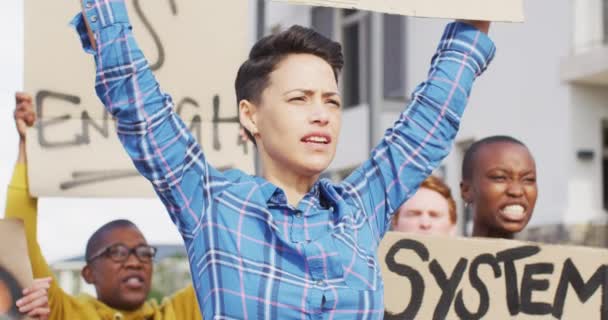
x=514 y=212
x=316 y=139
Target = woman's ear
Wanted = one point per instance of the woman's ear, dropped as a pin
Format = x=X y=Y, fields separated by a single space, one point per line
x=248 y=116
x=466 y=191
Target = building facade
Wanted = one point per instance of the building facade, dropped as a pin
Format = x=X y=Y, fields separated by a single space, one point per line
x=548 y=87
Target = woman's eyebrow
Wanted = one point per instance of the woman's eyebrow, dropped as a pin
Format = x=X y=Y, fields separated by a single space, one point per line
x=311 y=92
x=330 y=93
x=299 y=90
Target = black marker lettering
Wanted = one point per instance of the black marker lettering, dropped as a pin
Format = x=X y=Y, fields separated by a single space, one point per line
x=509 y=256
x=416 y=280
x=529 y=285
x=584 y=291
x=478 y=284
x=448 y=286
x=41 y=98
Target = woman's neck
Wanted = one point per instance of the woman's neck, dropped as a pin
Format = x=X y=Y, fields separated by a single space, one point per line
x=294 y=185
x=483 y=231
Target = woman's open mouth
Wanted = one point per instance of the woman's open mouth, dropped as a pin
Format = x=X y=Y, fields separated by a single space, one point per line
x=513 y=212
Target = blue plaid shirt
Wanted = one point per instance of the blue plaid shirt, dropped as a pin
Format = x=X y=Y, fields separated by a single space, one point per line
x=252 y=255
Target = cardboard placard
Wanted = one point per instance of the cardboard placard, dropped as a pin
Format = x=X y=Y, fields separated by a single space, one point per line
x=457 y=278
x=194 y=48
x=15 y=268
x=490 y=10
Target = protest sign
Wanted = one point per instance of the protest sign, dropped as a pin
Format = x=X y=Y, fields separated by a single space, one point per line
x=15 y=268
x=490 y=10
x=194 y=48
x=457 y=278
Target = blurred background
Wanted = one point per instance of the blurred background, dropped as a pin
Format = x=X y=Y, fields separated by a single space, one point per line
x=548 y=86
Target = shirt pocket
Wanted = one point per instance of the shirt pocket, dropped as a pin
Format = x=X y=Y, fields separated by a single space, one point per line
x=358 y=253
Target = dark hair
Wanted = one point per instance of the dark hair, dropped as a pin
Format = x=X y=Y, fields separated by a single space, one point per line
x=97 y=236
x=253 y=75
x=14 y=289
x=471 y=153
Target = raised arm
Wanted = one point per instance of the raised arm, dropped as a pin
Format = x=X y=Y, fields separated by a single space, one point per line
x=20 y=205
x=423 y=135
x=154 y=136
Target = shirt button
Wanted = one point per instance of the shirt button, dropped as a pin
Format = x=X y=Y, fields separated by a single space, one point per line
x=320 y=283
x=94 y=19
x=298 y=214
x=89 y=5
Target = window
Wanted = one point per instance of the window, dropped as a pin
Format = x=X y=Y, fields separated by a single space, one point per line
x=323 y=21
x=352 y=28
x=356 y=48
x=394 y=57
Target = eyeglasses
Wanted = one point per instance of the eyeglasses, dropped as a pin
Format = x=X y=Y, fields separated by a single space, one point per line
x=120 y=253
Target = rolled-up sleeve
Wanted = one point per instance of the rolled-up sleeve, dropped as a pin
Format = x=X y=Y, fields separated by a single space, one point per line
x=159 y=143
x=424 y=133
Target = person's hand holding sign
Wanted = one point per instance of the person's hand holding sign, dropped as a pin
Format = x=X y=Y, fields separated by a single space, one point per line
x=483 y=26
x=24 y=113
x=35 y=301
x=24 y=118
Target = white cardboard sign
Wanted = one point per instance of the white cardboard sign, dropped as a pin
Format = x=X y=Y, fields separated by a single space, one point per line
x=490 y=10
x=194 y=47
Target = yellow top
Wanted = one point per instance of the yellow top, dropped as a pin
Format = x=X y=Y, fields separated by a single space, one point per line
x=19 y=204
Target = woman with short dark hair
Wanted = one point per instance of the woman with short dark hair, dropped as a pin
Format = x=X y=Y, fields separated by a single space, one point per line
x=285 y=245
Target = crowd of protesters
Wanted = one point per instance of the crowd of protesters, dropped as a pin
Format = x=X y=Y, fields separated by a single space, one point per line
x=285 y=244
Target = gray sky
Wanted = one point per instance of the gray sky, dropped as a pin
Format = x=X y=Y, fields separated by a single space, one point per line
x=64 y=224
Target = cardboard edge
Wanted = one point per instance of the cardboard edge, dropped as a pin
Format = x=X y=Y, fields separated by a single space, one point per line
x=517 y=19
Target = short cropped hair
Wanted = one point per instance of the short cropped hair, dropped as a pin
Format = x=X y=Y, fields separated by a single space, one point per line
x=254 y=74
x=470 y=155
x=94 y=241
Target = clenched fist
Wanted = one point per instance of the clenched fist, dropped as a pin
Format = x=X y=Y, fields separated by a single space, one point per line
x=24 y=113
